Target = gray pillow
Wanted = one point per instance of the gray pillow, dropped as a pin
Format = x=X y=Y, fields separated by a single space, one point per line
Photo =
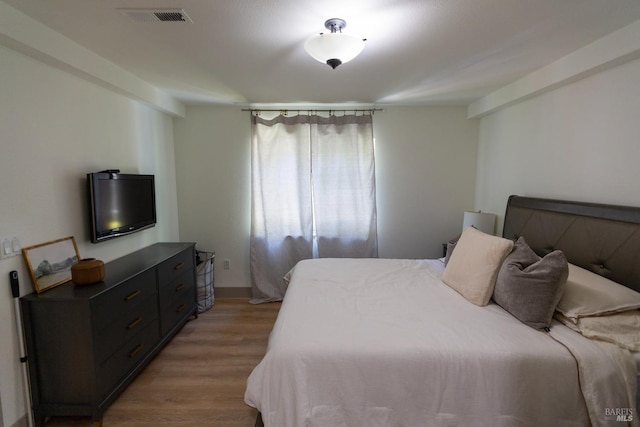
x=530 y=287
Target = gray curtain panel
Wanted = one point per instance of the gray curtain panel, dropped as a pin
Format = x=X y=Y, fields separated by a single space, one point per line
x=313 y=195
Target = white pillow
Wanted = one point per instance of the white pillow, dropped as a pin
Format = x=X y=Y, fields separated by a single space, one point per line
x=589 y=294
x=474 y=265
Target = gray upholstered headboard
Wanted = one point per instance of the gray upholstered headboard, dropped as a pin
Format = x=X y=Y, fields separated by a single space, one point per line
x=602 y=238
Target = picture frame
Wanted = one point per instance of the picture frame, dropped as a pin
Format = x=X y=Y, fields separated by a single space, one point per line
x=50 y=263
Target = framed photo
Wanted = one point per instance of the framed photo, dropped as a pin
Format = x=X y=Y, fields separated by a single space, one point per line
x=50 y=263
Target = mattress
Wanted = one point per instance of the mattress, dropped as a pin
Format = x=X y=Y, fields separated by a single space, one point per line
x=380 y=342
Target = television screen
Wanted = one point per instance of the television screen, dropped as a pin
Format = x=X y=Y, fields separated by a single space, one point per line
x=120 y=204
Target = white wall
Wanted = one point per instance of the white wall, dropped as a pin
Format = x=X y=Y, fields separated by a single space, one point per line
x=578 y=142
x=214 y=189
x=54 y=128
x=425 y=176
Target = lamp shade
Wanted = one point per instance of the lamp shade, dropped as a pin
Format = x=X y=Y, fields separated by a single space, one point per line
x=334 y=48
x=484 y=222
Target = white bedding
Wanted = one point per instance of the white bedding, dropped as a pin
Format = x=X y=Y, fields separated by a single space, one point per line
x=379 y=342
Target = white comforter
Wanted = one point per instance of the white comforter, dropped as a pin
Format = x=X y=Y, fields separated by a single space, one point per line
x=379 y=342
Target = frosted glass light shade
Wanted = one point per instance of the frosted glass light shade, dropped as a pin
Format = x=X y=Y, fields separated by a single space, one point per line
x=325 y=47
x=484 y=222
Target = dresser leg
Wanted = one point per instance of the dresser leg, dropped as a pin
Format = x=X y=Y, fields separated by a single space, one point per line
x=39 y=420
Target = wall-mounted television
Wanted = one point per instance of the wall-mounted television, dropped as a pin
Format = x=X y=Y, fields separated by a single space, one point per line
x=120 y=204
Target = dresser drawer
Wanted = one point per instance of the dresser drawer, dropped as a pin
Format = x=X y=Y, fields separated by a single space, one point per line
x=176 y=308
x=175 y=288
x=123 y=298
x=126 y=326
x=174 y=266
x=127 y=357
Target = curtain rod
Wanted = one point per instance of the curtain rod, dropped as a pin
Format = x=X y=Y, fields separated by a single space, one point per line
x=311 y=110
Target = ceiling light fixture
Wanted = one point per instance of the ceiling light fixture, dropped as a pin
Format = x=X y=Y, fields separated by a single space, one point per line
x=334 y=48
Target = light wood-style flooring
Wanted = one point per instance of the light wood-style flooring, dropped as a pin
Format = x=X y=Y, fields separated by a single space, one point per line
x=199 y=378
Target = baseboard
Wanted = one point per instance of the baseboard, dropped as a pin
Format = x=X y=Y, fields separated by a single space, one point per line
x=231 y=292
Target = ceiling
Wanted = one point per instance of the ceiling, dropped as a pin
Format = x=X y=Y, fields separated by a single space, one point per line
x=418 y=52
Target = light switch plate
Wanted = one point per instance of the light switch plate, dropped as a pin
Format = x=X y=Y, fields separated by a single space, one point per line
x=9 y=247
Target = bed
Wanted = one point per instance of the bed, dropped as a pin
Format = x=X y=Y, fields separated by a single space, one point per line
x=390 y=342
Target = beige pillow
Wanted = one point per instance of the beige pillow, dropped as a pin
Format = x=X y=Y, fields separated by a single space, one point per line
x=451 y=245
x=474 y=265
x=589 y=294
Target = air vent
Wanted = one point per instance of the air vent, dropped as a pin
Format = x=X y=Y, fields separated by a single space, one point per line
x=156 y=15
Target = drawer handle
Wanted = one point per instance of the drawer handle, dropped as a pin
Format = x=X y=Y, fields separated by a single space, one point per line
x=179 y=266
x=180 y=307
x=133 y=295
x=136 y=350
x=180 y=287
x=134 y=323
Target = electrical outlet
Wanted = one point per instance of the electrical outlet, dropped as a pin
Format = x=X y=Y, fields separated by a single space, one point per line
x=226 y=264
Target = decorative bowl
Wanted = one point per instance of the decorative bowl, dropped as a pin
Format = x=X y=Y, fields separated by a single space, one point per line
x=87 y=271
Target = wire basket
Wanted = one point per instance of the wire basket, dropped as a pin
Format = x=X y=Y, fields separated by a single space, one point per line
x=204 y=279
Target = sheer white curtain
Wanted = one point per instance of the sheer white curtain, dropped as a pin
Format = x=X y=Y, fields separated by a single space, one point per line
x=313 y=194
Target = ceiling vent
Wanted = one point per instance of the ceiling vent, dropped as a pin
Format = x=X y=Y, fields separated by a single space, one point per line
x=156 y=15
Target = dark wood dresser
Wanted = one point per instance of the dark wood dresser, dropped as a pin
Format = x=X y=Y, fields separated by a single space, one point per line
x=85 y=344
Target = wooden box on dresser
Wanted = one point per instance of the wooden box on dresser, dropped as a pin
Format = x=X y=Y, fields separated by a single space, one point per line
x=85 y=344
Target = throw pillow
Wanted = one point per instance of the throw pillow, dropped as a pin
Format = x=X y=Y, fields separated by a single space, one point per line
x=451 y=245
x=529 y=287
x=474 y=265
